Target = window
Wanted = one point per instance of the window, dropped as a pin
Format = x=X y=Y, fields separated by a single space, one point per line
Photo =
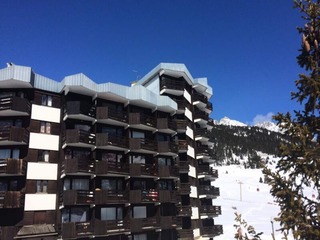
x=42 y=186
x=77 y=154
x=135 y=134
x=43 y=155
x=166 y=185
x=139 y=212
x=137 y=159
x=142 y=236
x=164 y=161
x=111 y=213
x=45 y=127
x=112 y=185
x=76 y=184
x=9 y=153
x=46 y=100
x=75 y=214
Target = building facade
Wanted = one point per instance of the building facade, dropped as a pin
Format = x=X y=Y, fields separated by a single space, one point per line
x=83 y=160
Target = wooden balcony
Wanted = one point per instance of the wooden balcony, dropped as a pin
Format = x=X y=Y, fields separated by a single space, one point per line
x=208 y=171
x=77 y=197
x=201 y=116
x=110 y=116
x=14 y=106
x=208 y=190
x=104 y=168
x=77 y=166
x=174 y=86
x=185 y=234
x=8 y=232
x=74 y=230
x=143 y=145
x=182 y=104
x=142 y=121
x=181 y=125
x=184 y=211
x=182 y=146
x=209 y=106
x=137 y=224
x=168 y=196
x=103 y=196
x=143 y=196
x=167 y=222
x=201 y=134
x=81 y=110
x=211 y=231
x=12 y=167
x=105 y=227
x=10 y=135
x=183 y=166
x=198 y=97
x=209 y=210
x=184 y=188
x=168 y=171
x=168 y=148
x=166 y=125
x=11 y=199
x=79 y=138
x=105 y=141
x=137 y=169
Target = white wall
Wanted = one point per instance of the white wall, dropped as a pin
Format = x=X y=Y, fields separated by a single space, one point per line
x=154 y=85
x=188 y=114
x=187 y=96
x=194 y=192
x=192 y=171
x=195 y=213
x=44 y=141
x=196 y=232
x=42 y=171
x=189 y=132
x=40 y=201
x=44 y=113
x=190 y=151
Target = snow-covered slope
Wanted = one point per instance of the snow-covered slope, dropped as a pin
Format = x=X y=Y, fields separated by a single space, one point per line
x=269 y=126
x=230 y=122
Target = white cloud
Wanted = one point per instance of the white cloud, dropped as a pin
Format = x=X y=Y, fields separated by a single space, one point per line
x=263 y=118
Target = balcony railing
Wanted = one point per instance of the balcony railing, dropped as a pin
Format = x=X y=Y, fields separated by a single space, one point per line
x=138 y=196
x=104 y=167
x=202 y=115
x=20 y=106
x=199 y=97
x=184 y=188
x=203 y=150
x=166 y=125
x=212 y=231
x=184 y=211
x=105 y=113
x=207 y=170
x=209 y=106
x=142 y=144
x=77 y=197
x=103 y=196
x=168 y=171
x=183 y=145
x=167 y=148
x=167 y=222
x=79 y=138
x=76 y=229
x=80 y=108
x=182 y=104
x=12 y=166
x=104 y=227
x=77 y=166
x=168 y=196
x=183 y=166
x=136 y=224
x=201 y=132
x=181 y=125
x=104 y=140
x=11 y=199
x=208 y=190
x=137 y=169
x=185 y=234
x=14 y=134
x=170 y=83
x=209 y=210
x=8 y=232
x=142 y=119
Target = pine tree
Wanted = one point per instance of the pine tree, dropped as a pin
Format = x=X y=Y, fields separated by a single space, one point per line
x=300 y=159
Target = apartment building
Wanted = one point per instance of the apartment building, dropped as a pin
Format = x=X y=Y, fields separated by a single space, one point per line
x=82 y=160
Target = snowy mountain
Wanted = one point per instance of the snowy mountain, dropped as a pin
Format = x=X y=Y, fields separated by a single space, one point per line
x=229 y=122
x=269 y=126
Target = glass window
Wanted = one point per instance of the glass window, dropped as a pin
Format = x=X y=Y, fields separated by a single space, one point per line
x=142 y=236
x=13 y=185
x=139 y=212
x=5 y=153
x=46 y=156
x=49 y=103
x=109 y=213
x=42 y=186
x=80 y=184
x=16 y=153
x=76 y=214
x=135 y=134
x=138 y=159
x=66 y=184
x=3 y=186
x=48 y=127
x=46 y=100
x=42 y=127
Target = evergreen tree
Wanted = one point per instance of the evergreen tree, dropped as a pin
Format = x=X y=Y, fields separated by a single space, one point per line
x=300 y=159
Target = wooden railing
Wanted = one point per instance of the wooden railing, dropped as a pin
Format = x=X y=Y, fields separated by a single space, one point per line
x=11 y=199
x=167 y=147
x=210 y=210
x=199 y=97
x=104 y=139
x=76 y=229
x=74 y=165
x=80 y=107
x=184 y=188
x=103 y=196
x=15 y=104
x=165 y=123
x=136 y=224
x=181 y=124
x=183 y=166
x=137 y=169
x=103 y=227
x=76 y=197
x=104 y=167
x=12 y=166
x=142 y=118
x=202 y=115
x=208 y=190
x=138 y=196
x=207 y=170
x=183 y=145
x=79 y=136
x=168 y=196
x=109 y=113
x=168 y=171
x=214 y=230
x=201 y=132
x=142 y=143
x=185 y=234
x=15 y=134
x=171 y=83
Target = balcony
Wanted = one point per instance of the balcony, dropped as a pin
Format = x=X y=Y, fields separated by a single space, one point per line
x=182 y=146
x=143 y=196
x=102 y=196
x=208 y=190
x=202 y=151
x=81 y=110
x=105 y=141
x=137 y=224
x=209 y=106
x=183 y=166
x=184 y=211
x=181 y=125
x=77 y=197
x=168 y=148
x=174 y=86
x=142 y=121
x=77 y=167
x=184 y=188
x=199 y=100
x=11 y=199
x=201 y=117
x=208 y=171
x=8 y=232
x=79 y=138
x=12 y=167
x=211 y=231
x=167 y=222
x=208 y=210
x=105 y=168
x=185 y=234
x=137 y=170
x=73 y=230
x=166 y=125
x=110 y=116
x=168 y=171
x=201 y=134
x=14 y=106
x=143 y=145
x=168 y=196
x=105 y=227
x=10 y=135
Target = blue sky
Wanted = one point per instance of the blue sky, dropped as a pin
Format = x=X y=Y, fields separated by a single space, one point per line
x=246 y=48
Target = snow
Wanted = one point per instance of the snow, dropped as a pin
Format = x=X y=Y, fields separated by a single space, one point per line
x=269 y=126
x=229 y=122
x=255 y=204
